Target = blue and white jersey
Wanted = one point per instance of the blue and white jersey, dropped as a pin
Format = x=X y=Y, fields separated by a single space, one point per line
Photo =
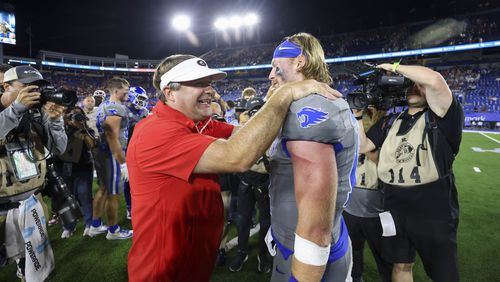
x=231 y=118
x=317 y=119
x=135 y=114
x=107 y=109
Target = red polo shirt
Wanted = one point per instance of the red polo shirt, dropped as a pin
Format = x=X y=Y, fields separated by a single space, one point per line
x=177 y=215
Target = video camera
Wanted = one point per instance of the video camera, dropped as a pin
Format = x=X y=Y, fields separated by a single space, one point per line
x=379 y=90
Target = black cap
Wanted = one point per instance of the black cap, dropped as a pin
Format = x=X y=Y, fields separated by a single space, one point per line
x=255 y=102
x=240 y=105
x=24 y=74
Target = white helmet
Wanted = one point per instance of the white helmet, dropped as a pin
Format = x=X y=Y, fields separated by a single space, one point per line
x=99 y=93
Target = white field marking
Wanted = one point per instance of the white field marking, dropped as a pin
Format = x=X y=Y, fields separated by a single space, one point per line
x=234 y=242
x=476 y=169
x=480 y=150
x=479 y=131
x=491 y=138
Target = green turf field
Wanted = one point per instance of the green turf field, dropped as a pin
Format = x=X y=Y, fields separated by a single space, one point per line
x=96 y=259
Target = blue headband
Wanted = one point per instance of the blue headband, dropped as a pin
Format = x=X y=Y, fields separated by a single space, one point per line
x=287 y=49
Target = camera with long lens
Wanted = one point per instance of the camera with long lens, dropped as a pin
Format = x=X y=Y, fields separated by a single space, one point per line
x=253 y=105
x=379 y=90
x=63 y=202
x=63 y=97
x=78 y=117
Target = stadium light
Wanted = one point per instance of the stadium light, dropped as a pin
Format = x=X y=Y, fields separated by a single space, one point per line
x=235 y=21
x=221 y=24
x=181 y=22
x=250 y=19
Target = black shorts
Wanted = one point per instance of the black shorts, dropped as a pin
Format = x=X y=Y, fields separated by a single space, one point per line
x=368 y=229
x=434 y=240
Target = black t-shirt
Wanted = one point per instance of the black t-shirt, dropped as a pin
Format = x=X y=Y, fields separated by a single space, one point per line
x=438 y=198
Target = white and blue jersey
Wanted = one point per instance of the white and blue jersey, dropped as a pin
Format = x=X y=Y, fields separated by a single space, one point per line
x=317 y=119
x=107 y=167
x=107 y=109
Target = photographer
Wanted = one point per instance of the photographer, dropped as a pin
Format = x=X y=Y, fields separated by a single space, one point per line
x=415 y=168
x=362 y=210
x=76 y=166
x=27 y=126
x=253 y=188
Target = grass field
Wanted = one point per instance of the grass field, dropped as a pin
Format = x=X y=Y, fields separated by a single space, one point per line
x=96 y=259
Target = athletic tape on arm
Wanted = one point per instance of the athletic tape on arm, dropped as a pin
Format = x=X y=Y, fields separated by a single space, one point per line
x=308 y=252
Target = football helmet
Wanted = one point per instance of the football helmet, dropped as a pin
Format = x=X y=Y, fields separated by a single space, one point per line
x=138 y=97
x=99 y=93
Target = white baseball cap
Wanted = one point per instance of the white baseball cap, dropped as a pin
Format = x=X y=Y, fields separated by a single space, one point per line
x=188 y=70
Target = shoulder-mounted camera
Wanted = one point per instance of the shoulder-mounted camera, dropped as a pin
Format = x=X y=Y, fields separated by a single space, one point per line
x=379 y=89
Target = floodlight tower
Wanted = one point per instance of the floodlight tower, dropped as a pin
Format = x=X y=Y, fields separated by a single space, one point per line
x=181 y=23
x=236 y=23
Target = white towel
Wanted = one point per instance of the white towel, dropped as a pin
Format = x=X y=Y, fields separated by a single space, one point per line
x=26 y=236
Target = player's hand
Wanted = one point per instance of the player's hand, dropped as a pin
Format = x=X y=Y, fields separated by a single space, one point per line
x=28 y=96
x=53 y=110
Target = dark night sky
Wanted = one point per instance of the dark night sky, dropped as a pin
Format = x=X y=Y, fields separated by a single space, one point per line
x=141 y=29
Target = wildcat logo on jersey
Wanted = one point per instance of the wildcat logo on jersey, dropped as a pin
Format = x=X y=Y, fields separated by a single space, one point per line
x=310 y=116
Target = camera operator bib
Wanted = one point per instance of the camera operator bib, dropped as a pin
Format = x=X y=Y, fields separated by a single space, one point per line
x=17 y=173
x=407 y=160
x=366 y=174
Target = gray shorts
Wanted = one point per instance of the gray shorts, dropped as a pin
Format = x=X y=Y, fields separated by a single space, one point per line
x=108 y=172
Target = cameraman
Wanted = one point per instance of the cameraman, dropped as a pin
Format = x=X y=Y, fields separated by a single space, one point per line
x=253 y=188
x=76 y=166
x=415 y=168
x=25 y=131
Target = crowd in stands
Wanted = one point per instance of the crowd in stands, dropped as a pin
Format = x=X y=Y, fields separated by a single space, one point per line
x=382 y=40
x=477 y=88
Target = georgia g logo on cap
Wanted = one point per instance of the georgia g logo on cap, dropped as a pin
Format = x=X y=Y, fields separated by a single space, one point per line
x=201 y=63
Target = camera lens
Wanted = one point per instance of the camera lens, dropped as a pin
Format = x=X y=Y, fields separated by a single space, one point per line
x=63 y=97
x=78 y=117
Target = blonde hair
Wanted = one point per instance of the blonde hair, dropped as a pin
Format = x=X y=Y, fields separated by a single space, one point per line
x=315 y=66
x=167 y=64
x=370 y=119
